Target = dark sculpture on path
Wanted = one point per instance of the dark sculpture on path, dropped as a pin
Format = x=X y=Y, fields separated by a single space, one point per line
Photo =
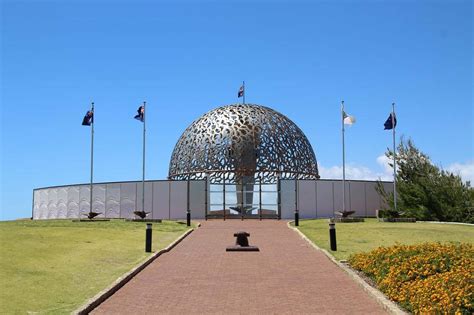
x=242 y=243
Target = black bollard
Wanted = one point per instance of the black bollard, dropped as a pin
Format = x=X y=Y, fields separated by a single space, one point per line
x=148 y=238
x=188 y=218
x=332 y=235
x=297 y=218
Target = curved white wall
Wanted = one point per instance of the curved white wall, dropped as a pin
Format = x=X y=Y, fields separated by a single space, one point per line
x=168 y=199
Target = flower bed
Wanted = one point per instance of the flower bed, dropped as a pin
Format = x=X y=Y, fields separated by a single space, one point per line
x=424 y=278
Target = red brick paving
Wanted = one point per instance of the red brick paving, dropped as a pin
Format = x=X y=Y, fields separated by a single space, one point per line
x=198 y=276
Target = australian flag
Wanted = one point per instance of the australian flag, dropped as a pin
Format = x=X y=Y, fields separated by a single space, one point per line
x=88 y=118
x=389 y=124
x=241 y=91
x=141 y=113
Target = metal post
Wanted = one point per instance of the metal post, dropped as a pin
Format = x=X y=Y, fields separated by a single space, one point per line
x=394 y=160
x=33 y=205
x=205 y=200
x=188 y=211
x=343 y=161
x=92 y=157
x=260 y=196
x=148 y=238
x=143 y=175
x=332 y=235
x=279 y=195
x=243 y=196
x=297 y=215
x=223 y=197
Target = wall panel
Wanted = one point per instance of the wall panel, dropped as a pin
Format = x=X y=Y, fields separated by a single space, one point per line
x=287 y=199
x=128 y=193
x=43 y=204
x=324 y=198
x=62 y=203
x=337 y=186
x=388 y=189
x=357 y=198
x=84 y=197
x=307 y=199
x=98 y=199
x=52 y=203
x=372 y=199
x=161 y=203
x=112 y=201
x=36 y=204
x=148 y=197
x=197 y=199
x=178 y=196
x=73 y=202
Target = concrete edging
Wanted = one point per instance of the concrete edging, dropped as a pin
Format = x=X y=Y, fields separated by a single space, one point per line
x=442 y=222
x=121 y=281
x=388 y=305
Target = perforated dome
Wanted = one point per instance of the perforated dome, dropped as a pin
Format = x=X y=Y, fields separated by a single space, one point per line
x=236 y=141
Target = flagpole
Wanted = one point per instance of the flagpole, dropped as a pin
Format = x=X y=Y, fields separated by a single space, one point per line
x=143 y=175
x=394 y=160
x=92 y=157
x=243 y=84
x=343 y=161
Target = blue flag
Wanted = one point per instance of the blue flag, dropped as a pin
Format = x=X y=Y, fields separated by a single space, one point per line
x=88 y=118
x=141 y=113
x=241 y=91
x=388 y=123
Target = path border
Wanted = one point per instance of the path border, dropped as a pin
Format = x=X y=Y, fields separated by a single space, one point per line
x=381 y=299
x=95 y=301
x=443 y=222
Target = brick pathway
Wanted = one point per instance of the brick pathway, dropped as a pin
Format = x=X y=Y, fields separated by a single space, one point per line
x=198 y=276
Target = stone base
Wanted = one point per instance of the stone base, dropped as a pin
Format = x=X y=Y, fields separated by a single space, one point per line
x=349 y=220
x=413 y=220
x=91 y=220
x=145 y=220
x=242 y=249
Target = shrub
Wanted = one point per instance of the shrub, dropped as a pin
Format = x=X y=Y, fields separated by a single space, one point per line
x=426 y=191
x=424 y=278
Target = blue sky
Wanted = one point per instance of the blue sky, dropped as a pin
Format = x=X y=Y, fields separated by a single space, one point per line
x=185 y=58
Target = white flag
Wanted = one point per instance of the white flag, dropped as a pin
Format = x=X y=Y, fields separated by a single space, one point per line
x=348 y=120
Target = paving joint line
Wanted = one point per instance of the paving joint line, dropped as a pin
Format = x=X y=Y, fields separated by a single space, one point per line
x=381 y=298
x=99 y=298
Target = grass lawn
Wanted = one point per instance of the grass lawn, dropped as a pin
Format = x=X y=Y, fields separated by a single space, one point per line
x=54 y=266
x=365 y=236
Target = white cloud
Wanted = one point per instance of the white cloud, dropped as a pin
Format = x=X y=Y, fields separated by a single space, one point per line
x=465 y=170
x=384 y=161
x=360 y=172
x=385 y=171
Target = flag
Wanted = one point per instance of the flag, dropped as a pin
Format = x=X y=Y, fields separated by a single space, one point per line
x=141 y=113
x=388 y=123
x=348 y=120
x=88 y=118
x=241 y=91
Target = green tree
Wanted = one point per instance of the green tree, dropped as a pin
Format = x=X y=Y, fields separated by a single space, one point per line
x=425 y=191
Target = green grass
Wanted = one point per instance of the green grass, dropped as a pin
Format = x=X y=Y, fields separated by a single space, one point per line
x=54 y=266
x=365 y=236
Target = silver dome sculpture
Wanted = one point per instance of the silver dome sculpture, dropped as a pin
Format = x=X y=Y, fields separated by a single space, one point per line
x=243 y=143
